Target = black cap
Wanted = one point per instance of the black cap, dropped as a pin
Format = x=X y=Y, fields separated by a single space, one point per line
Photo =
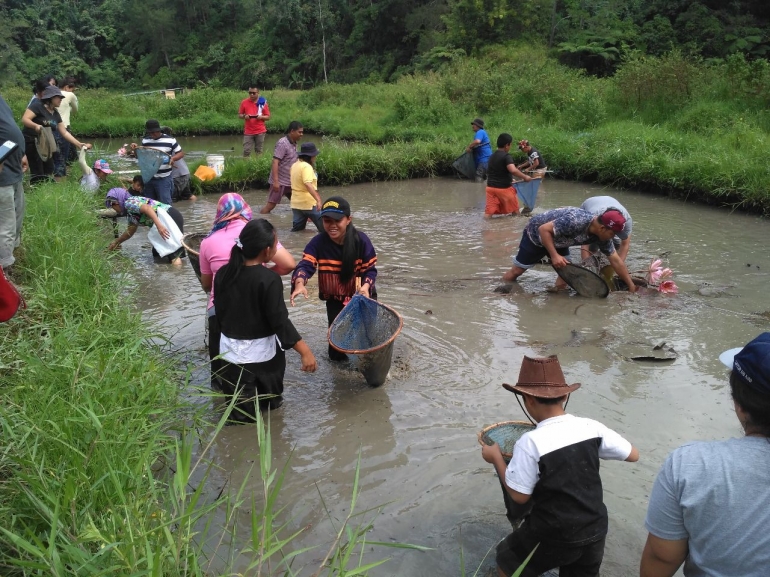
x=335 y=207
x=308 y=149
x=152 y=125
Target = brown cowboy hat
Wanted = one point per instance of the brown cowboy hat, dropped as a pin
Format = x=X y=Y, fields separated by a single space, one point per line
x=542 y=378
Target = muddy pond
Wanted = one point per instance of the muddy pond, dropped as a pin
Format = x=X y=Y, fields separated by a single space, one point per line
x=439 y=262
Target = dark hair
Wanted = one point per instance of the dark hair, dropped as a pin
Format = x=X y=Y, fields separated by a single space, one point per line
x=754 y=404
x=351 y=247
x=68 y=81
x=306 y=158
x=504 y=140
x=39 y=85
x=256 y=236
x=294 y=125
x=138 y=178
x=549 y=401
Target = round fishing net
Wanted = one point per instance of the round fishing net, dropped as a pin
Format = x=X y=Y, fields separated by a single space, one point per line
x=192 y=243
x=367 y=328
x=505 y=434
x=585 y=282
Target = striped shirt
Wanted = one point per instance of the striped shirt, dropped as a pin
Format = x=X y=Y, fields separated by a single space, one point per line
x=325 y=255
x=167 y=144
x=286 y=154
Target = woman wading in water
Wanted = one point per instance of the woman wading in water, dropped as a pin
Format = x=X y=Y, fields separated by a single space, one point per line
x=343 y=256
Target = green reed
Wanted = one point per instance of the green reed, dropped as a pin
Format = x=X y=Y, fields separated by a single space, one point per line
x=104 y=467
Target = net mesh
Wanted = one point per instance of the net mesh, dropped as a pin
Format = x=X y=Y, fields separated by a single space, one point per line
x=367 y=328
x=505 y=434
x=150 y=160
x=527 y=191
x=585 y=282
x=465 y=165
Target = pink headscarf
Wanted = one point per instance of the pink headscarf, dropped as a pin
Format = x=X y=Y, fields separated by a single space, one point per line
x=230 y=206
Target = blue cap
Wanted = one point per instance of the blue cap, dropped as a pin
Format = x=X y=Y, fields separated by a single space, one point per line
x=751 y=363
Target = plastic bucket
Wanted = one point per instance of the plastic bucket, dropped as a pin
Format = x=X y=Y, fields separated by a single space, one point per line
x=216 y=162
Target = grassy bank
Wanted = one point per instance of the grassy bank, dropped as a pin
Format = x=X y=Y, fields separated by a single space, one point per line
x=668 y=124
x=101 y=472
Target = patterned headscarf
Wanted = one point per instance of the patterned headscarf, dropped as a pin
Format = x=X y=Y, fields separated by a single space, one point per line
x=230 y=206
x=119 y=195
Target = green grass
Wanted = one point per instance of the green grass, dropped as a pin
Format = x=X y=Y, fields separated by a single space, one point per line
x=104 y=467
x=666 y=124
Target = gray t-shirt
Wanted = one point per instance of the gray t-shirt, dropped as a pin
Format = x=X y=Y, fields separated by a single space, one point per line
x=596 y=205
x=716 y=495
x=179 y=169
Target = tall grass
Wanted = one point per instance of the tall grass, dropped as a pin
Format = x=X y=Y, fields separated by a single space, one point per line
x=102 y=471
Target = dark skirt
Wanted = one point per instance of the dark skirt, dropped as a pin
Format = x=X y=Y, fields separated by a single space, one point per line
x=252 y=380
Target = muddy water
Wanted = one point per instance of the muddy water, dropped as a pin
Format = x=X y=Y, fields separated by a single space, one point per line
x=439 y=262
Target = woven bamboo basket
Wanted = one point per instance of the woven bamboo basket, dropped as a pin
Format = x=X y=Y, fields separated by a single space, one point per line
x=192 y=244
x=505 y=434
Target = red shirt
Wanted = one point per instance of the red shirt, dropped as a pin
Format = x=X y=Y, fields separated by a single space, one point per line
x=252 y=125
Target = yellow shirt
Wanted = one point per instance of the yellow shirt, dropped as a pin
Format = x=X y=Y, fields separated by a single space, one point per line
x=301 y=173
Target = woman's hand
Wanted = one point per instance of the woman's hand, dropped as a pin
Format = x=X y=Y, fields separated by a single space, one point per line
x=364 y=290
x=163 y=231
x=87 y=146
x=299 y=288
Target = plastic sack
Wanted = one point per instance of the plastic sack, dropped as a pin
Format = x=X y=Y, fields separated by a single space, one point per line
x=164 y=246
x=205 y=173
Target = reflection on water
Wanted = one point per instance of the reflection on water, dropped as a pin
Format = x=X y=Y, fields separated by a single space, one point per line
x=439 y=263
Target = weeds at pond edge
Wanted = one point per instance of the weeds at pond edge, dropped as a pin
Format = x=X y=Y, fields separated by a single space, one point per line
x=97 y=473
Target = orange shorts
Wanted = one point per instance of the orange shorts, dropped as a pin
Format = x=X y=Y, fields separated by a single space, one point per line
x=501 y=201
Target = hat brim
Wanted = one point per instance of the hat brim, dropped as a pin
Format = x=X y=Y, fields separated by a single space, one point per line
x=727 y=358
x=336 y=215
x=543 y=391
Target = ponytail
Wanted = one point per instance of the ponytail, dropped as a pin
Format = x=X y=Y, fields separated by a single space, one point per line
x=350 y=251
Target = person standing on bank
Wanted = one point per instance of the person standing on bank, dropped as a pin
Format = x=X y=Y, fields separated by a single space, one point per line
x=284 y=157
x=40 y=119
x=481 y=147
x=343 y=256
x=710 y=504
x=255 y=324
x=254 y=112
x=501 y=196
x=11 y=187
x=161 y=186
x=597 y=205
x=305 y=200
x=553 y=479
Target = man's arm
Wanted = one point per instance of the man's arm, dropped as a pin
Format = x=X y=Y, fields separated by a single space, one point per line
x=274 y=171
x=517 y=173
x=625 y=244
x=474 y=143
x=661 y=557
x=620 y=268
x=546 y=239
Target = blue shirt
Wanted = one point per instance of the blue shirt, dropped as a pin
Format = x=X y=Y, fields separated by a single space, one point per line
x=483 y=151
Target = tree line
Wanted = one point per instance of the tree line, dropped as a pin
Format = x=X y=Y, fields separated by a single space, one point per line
x=135 y=44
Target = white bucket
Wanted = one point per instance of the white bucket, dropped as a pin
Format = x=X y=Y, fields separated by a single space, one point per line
x=217 y=162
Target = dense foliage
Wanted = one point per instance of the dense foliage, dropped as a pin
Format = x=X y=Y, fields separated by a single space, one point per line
x=147 y=44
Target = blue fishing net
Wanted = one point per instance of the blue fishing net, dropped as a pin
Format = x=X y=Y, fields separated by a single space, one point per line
x=367 y=328
x=150 y=160
x=527 y=191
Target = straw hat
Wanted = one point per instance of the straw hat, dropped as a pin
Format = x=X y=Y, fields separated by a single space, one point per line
x=542 y=378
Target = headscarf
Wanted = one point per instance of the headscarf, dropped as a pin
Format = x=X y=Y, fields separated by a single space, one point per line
x=120 y=195
x=230 y=206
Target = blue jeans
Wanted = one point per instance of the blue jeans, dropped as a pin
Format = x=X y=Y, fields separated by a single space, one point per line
x=299 y=220
x=159 y=189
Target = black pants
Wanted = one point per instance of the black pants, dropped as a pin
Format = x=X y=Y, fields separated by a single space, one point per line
x=252 y=380
x=215 y=332
x=40 y=170
x=580 y=561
